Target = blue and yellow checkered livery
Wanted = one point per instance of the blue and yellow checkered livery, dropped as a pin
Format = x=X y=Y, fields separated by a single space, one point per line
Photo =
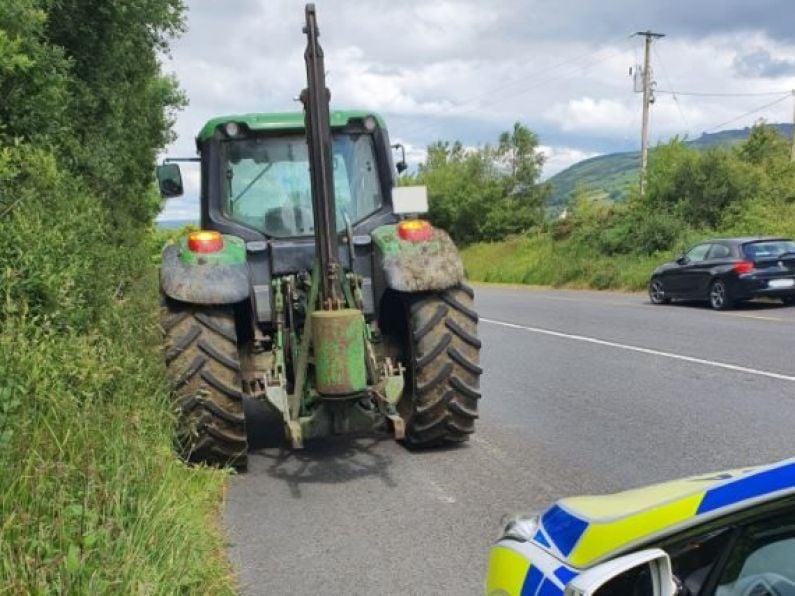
x=579 y=532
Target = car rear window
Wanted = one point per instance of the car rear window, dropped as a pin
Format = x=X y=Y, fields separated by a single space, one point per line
x=769 y=249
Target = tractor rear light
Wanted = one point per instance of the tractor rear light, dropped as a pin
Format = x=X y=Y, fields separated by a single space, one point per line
x=743 y=267
x=205 y=241
x=415 y=230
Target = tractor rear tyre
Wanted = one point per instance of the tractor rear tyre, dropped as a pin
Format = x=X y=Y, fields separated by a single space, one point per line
x=444 y=368
x=203 y=365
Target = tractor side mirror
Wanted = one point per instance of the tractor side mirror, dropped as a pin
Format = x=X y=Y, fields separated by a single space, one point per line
x=644 y=572
x=401 y=166
x=409 y=199
x=169 y=180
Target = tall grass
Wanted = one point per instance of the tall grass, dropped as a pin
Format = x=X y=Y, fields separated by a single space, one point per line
x=92 y=498
x=540 y=260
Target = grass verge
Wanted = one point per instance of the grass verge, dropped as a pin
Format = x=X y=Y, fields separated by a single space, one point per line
x=92 y=498
x=539 y=260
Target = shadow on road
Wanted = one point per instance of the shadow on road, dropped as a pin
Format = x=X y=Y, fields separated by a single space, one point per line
x=326 y=461
x=263 y=424
x=333 y=460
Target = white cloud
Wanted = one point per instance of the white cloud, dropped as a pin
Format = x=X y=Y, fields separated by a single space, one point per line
x=560 y=158
x=466 y=70
x=590 y=115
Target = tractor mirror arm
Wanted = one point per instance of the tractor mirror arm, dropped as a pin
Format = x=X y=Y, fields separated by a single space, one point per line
x=401 y=166
x=181 y=159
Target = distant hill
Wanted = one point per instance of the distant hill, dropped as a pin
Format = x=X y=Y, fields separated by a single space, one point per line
x=173 y=224
x=611 y=174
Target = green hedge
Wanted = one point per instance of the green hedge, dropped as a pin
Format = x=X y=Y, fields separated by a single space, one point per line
x=92 y=497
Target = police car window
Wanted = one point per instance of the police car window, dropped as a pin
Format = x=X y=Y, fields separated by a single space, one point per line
x=762 y=561
x=694 y=559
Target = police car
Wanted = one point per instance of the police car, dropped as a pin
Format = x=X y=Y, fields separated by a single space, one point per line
x=726 y=534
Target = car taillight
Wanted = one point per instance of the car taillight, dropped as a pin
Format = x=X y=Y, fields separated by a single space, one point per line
x=415 y=230
x=743 y=267
x=205 y=241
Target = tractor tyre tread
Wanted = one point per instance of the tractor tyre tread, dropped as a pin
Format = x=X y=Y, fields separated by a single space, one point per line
x=202 y=362
x=445 y=367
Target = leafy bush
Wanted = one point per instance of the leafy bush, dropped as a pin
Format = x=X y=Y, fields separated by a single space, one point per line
x=742 y=190
x=484 y=193
x=92 y=499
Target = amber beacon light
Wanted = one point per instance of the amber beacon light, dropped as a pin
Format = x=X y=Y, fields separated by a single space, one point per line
x=415 y=230
x=205 y=241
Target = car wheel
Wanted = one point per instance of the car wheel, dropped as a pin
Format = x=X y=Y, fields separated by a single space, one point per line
x=657 y=292
x=719 y=298
x=788 y=300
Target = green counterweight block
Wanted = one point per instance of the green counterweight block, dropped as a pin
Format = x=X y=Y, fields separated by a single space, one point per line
x=338 y=342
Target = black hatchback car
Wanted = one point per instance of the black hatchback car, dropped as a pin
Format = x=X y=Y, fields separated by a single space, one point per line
x=728 y=270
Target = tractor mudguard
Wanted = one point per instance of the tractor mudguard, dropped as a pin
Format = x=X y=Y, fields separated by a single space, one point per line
x=417 y=266
x=206 y=278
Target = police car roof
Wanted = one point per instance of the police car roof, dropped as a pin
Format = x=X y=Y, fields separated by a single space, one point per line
x=585 y=530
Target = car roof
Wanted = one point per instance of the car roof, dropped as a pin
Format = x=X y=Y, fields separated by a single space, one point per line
x=744 y=239
x=582 y=531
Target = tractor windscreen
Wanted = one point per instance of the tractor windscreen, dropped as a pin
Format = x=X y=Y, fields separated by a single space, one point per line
x=267 y=184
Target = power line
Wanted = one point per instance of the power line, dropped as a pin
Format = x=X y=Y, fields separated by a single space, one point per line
x=719 y=94
x=576 y=70
x=551 y=79
x=673 y=94
x=754 y=111
x=533 y=75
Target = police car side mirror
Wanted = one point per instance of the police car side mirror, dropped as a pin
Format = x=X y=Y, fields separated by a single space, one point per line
x=643 y=572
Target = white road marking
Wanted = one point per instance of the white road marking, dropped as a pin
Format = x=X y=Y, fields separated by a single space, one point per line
x=612 y=344
x=440 y=494
x=757 y=317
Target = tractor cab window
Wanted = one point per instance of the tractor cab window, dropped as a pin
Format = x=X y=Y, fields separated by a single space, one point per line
x=267 y=184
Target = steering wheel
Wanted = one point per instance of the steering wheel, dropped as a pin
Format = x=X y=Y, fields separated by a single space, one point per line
x=765 y=584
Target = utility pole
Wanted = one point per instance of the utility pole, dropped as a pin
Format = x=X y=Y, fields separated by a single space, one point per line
x=648 y=99
x=792 y=150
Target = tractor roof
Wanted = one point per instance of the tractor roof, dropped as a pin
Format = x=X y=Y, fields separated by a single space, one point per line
x=585 y=530
x=281 y=121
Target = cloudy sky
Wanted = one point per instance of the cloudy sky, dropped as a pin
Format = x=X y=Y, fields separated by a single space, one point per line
x=466 y=70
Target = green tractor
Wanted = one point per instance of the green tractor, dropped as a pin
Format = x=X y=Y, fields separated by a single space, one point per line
x=313 y=287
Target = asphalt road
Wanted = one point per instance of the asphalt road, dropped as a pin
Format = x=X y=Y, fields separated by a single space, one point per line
x=583 y=392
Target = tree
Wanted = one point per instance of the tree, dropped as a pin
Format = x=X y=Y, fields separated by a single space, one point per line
x=521 y=205
x=120 y=106
x=485 y=193
x=517 y=151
